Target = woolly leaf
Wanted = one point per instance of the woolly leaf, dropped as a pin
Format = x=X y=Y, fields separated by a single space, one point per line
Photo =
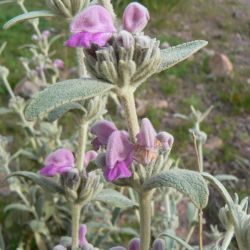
x=59 y=112
x=27 y=16
x=59 y=94
x=188 y=182
x=115 y=198
x=17 y=206
x=176 y=54
x=43 y=182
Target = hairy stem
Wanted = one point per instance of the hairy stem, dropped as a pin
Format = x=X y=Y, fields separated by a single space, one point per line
x=76 y=211
x=81 y=64
x=128 y=102
x=145 y=220
x=200 y=230
x=228 y=238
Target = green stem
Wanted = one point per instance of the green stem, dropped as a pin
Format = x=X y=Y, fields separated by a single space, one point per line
x=200 y=229
x=128 y=101
x=76 y=211
x=228 y=238
x=145 y=220
x=81 y=64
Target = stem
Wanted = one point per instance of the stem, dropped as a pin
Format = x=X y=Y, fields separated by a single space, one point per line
x=76 y=211
x=81 y=64
x=145 y=220
x=228 y=237
x=200 y=230
x=128 y=101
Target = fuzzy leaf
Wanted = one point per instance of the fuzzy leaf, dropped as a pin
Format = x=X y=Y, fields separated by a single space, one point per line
x=187 y=182
x=7 y=1
x=62 y=93
x=17 y=206
x=59 y=112
x=27 y=16
x=115 y=198
x=177 y=239
x=176 y=54
x=45 y=183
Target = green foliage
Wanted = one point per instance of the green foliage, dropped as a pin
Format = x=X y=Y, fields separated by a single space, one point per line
x=173 y=55
x=45 y=183
x=27 y=16
x=187 y=182
x=61 y=93
x=115 y=198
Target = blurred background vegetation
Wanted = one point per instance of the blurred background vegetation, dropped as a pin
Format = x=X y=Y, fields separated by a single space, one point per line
x=218 y=75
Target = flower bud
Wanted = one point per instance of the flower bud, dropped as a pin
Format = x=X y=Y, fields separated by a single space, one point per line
x=225 y=217
x=134 y=244
x=71 y=179
x=125 y=39
x=4 y=72
x=135 y=17
x=159 y=244
x=59 y=64
x=59 y=247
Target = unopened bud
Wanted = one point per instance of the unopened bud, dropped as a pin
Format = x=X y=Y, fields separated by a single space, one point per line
x=159 y=244
x=134 y=244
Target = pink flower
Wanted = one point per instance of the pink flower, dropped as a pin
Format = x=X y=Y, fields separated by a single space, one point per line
x=59 y=64
x=93 y=25
x=62 y=161
x=135 y=17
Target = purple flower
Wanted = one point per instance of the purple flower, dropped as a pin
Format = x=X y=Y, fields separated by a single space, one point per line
x=118 y=157
x=46 y=34
x=82 y=235
x=102 y=130
x=134 y=244
x=135 y=17
x=93 y=25
x=159 y=244
x=59 y=64
x=149 y=143
x=58 y=162
x=89 y=156
x=62 y=161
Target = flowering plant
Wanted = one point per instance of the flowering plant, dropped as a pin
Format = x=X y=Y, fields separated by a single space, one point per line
x=115 y=60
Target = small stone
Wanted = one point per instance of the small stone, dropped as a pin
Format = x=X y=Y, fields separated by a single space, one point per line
x=220 y=65
x=214 y=143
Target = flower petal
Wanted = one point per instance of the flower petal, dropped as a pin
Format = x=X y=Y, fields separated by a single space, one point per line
x=134 y=244
x=48 y=171
x=147 y=134
x=135 y=17
x=119 y=149
x=166 y=140
x=93 y=19
x=82 y=235
x=89 y=156
x=60 y=158
x=102 y=130
x=120 y=170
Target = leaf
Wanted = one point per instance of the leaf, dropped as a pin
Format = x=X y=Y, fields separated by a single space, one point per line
x=226 y=177
x=173 y=55
x=179 y=240
x=7 y=1
x=45 y=183
x=187 y=182
x=64 y=92
x=59 y=112
x=27 y=16
x=17 y=206
x=115 y=198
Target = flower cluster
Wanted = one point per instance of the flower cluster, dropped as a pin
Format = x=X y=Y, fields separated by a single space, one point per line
x=95 y=26
x=121 y=153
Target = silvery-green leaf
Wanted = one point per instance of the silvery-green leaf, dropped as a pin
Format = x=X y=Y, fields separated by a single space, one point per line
x=179 y=240
x=128 y=230
x=59 y=112
x=226 y=177
x=176 y=54
x=17 y=206
x=27 y=16
x=45 y=183
x=115 y=198
x=61 y=93
x=187 y=182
